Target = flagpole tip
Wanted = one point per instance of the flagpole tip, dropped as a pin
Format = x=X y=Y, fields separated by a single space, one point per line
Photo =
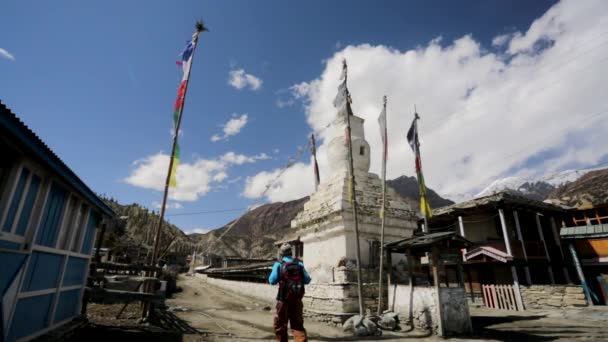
x=200 y=26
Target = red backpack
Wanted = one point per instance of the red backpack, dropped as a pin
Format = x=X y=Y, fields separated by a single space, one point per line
x=291 y=283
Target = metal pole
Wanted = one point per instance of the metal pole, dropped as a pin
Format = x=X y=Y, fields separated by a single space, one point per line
x=175 y=136
x=382 y=217
x=579 y=271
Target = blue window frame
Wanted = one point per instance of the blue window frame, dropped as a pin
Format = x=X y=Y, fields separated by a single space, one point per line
x=89 y=236
x=51 y=216
x=16 y=200
x=28 y=205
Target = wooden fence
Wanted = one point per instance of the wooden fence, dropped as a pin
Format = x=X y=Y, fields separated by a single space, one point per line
x=500 y=297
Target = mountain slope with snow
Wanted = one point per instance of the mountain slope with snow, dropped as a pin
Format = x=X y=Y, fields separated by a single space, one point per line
x=537 y=188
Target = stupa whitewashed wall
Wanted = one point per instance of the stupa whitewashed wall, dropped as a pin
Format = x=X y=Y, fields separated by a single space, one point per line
x=325 y=227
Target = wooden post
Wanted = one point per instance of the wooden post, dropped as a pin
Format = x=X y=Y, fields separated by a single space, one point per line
x=505 y=234
x=579 y=271
x=559 y=244
x=99 y=242
x=382 y=214
x=461 y=225
x=389 y=262
x=410 y=273
x=435 y=260
x=542 y=237
x=523 y=247
x=353 y=197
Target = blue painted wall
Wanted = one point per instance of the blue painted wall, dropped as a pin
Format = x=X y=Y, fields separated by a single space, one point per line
x=68 y=305
x=75 y=272
x=31 y=315
x=43 y=272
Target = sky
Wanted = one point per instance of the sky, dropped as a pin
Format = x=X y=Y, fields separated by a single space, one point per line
x=504 y=88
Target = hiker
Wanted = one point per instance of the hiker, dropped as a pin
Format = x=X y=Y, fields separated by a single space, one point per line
x=290 y=274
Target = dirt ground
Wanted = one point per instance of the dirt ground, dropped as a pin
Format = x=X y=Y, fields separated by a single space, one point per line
x=228 y=317
x=202 y=312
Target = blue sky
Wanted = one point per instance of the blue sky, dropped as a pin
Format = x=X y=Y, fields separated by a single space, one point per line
x=97 y=80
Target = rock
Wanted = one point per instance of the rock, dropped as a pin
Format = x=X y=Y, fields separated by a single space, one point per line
x=387 y=323
x=196 y=293
x=350 y=323
x=177 y=309
x=574 y=289
x=390 y=314
x=361 y=331
x=336 y=319
x=369 y=325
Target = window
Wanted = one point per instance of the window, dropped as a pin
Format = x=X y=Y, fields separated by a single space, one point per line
x=7 y=162
x=52 y=216
x=22 y=203
x=69 y=223
x=362 y=150
x=89 y=237
x=78 y=228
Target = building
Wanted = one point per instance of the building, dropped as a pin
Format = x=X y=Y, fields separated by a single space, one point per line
x=48 y=222
x=586 y=237
x=516 y=246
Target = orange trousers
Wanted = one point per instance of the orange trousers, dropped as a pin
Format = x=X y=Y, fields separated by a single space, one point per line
x=290 y=311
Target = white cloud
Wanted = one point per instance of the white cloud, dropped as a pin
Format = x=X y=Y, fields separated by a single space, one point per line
x=290 y=185
x=231 y=128
x=6 y=54
x=239 y=79
x=502 y=39
x=170 y=205
x=485 y=114
x=194 y=179
x=199 y=230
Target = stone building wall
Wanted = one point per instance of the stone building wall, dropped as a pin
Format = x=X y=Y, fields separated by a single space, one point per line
x=552 y=296
x=420 y=307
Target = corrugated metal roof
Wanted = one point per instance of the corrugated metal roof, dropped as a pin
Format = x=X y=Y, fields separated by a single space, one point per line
x=426 y=240
x=501 y=197
x=596 y=230
x=26 y=138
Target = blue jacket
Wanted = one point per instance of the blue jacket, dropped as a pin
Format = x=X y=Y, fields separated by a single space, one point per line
x=274 y=277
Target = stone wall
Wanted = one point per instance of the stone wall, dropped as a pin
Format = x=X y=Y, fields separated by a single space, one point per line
x=455 y=310
x=261 y=291
x=552 y=296
x=333 y=303
x=420 y=308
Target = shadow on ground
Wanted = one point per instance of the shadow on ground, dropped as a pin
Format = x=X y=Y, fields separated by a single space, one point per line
x=484 y=327
x=165 y=326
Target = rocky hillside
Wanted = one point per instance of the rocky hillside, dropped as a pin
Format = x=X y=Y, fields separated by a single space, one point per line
x=590 y=189
x=407 y=187
x=138 y=228
x=253 y=235
x=255 y=232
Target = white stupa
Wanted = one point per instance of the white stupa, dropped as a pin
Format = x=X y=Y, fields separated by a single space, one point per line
x=326 y=230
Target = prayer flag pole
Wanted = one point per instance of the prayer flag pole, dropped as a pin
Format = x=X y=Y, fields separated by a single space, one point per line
x=181 y=96
x=313 y=151
x=414 y=142
x=384 y=135
x=345 y=96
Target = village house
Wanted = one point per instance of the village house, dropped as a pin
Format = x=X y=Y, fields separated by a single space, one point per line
x=517 y=260
x=48 y=223
x=586 y=236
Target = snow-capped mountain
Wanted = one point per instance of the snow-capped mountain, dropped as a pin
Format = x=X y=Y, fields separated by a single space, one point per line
x=536 y=188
